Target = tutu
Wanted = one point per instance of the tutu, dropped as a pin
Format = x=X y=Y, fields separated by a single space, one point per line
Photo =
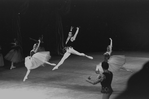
x=37 y=59
x=14 y=56
x=1 y=60
x=115 y=63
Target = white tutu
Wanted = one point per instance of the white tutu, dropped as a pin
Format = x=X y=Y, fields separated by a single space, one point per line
x=37 y=59
x=1 y=60
x=115 y=63
x=14 y=56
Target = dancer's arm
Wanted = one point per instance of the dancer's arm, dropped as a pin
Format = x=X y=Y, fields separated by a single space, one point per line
x=67 y=39
x=75 y=35
x=68 y=35
x=37 y=45
x=111 y=44
x=96 y=81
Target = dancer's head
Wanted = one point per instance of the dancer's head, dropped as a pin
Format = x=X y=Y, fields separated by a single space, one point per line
x=105 y=65
x=70 y=34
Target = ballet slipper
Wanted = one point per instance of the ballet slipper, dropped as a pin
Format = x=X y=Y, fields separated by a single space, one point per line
x=12 y=67
x=56 y=67
x=25 y=78
x=90 y=57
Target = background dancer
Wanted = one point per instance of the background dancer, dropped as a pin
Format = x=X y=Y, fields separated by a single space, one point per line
x=105 y=79
x=36 y=59
x=69 y=50
x=14 y=55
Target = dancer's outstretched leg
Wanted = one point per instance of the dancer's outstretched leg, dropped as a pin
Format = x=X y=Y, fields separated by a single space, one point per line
x=53 y=64
x=27 y=73
x=80 y=54
x=66 y=55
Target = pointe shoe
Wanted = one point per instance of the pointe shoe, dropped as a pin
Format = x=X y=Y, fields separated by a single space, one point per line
x=25 y=78
x=12 y=67
x=90 y=57
x=56 y=67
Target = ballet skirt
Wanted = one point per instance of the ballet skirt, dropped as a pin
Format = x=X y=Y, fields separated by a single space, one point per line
x=115 y=63
x=38 y=59
x=14 y=55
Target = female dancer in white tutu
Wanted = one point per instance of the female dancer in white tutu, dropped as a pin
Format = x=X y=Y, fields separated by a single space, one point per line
x=69 y=50
x=1 y=58
x=115 y=61
x=36 y=59
x=14 y=55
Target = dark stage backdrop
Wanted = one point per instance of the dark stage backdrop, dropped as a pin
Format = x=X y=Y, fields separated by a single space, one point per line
x=125 y=21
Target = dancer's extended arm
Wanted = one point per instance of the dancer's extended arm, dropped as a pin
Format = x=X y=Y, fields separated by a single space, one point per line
x=37 y=45
x=69 y=36
x=96 y=81
x=111 y=44
x=75 y=35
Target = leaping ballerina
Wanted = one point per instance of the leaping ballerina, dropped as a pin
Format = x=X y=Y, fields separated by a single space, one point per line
x=36 y=59
x=69 y=49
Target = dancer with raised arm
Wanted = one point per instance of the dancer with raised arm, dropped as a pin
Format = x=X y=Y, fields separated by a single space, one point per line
x=115 y=61
x=36 y=59
x=14 y=55
x=69 y=49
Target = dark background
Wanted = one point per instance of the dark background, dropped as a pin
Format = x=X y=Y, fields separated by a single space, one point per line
x=125 y=21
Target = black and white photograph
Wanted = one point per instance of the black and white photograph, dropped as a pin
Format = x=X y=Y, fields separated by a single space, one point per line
x=74 y=49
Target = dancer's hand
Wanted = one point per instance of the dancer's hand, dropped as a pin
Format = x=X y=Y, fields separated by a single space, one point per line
x=77 y=28
x=71 y=28
x=90 y=57
x=89 y=78
x=110 y=39
x=39 y=40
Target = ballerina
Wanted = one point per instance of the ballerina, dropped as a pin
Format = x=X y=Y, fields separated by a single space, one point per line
x=69 y=49
x=115 y=61
x=14 y=55
x=36 y=59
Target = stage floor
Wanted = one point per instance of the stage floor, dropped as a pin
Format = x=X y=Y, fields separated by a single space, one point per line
x=68 y=82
